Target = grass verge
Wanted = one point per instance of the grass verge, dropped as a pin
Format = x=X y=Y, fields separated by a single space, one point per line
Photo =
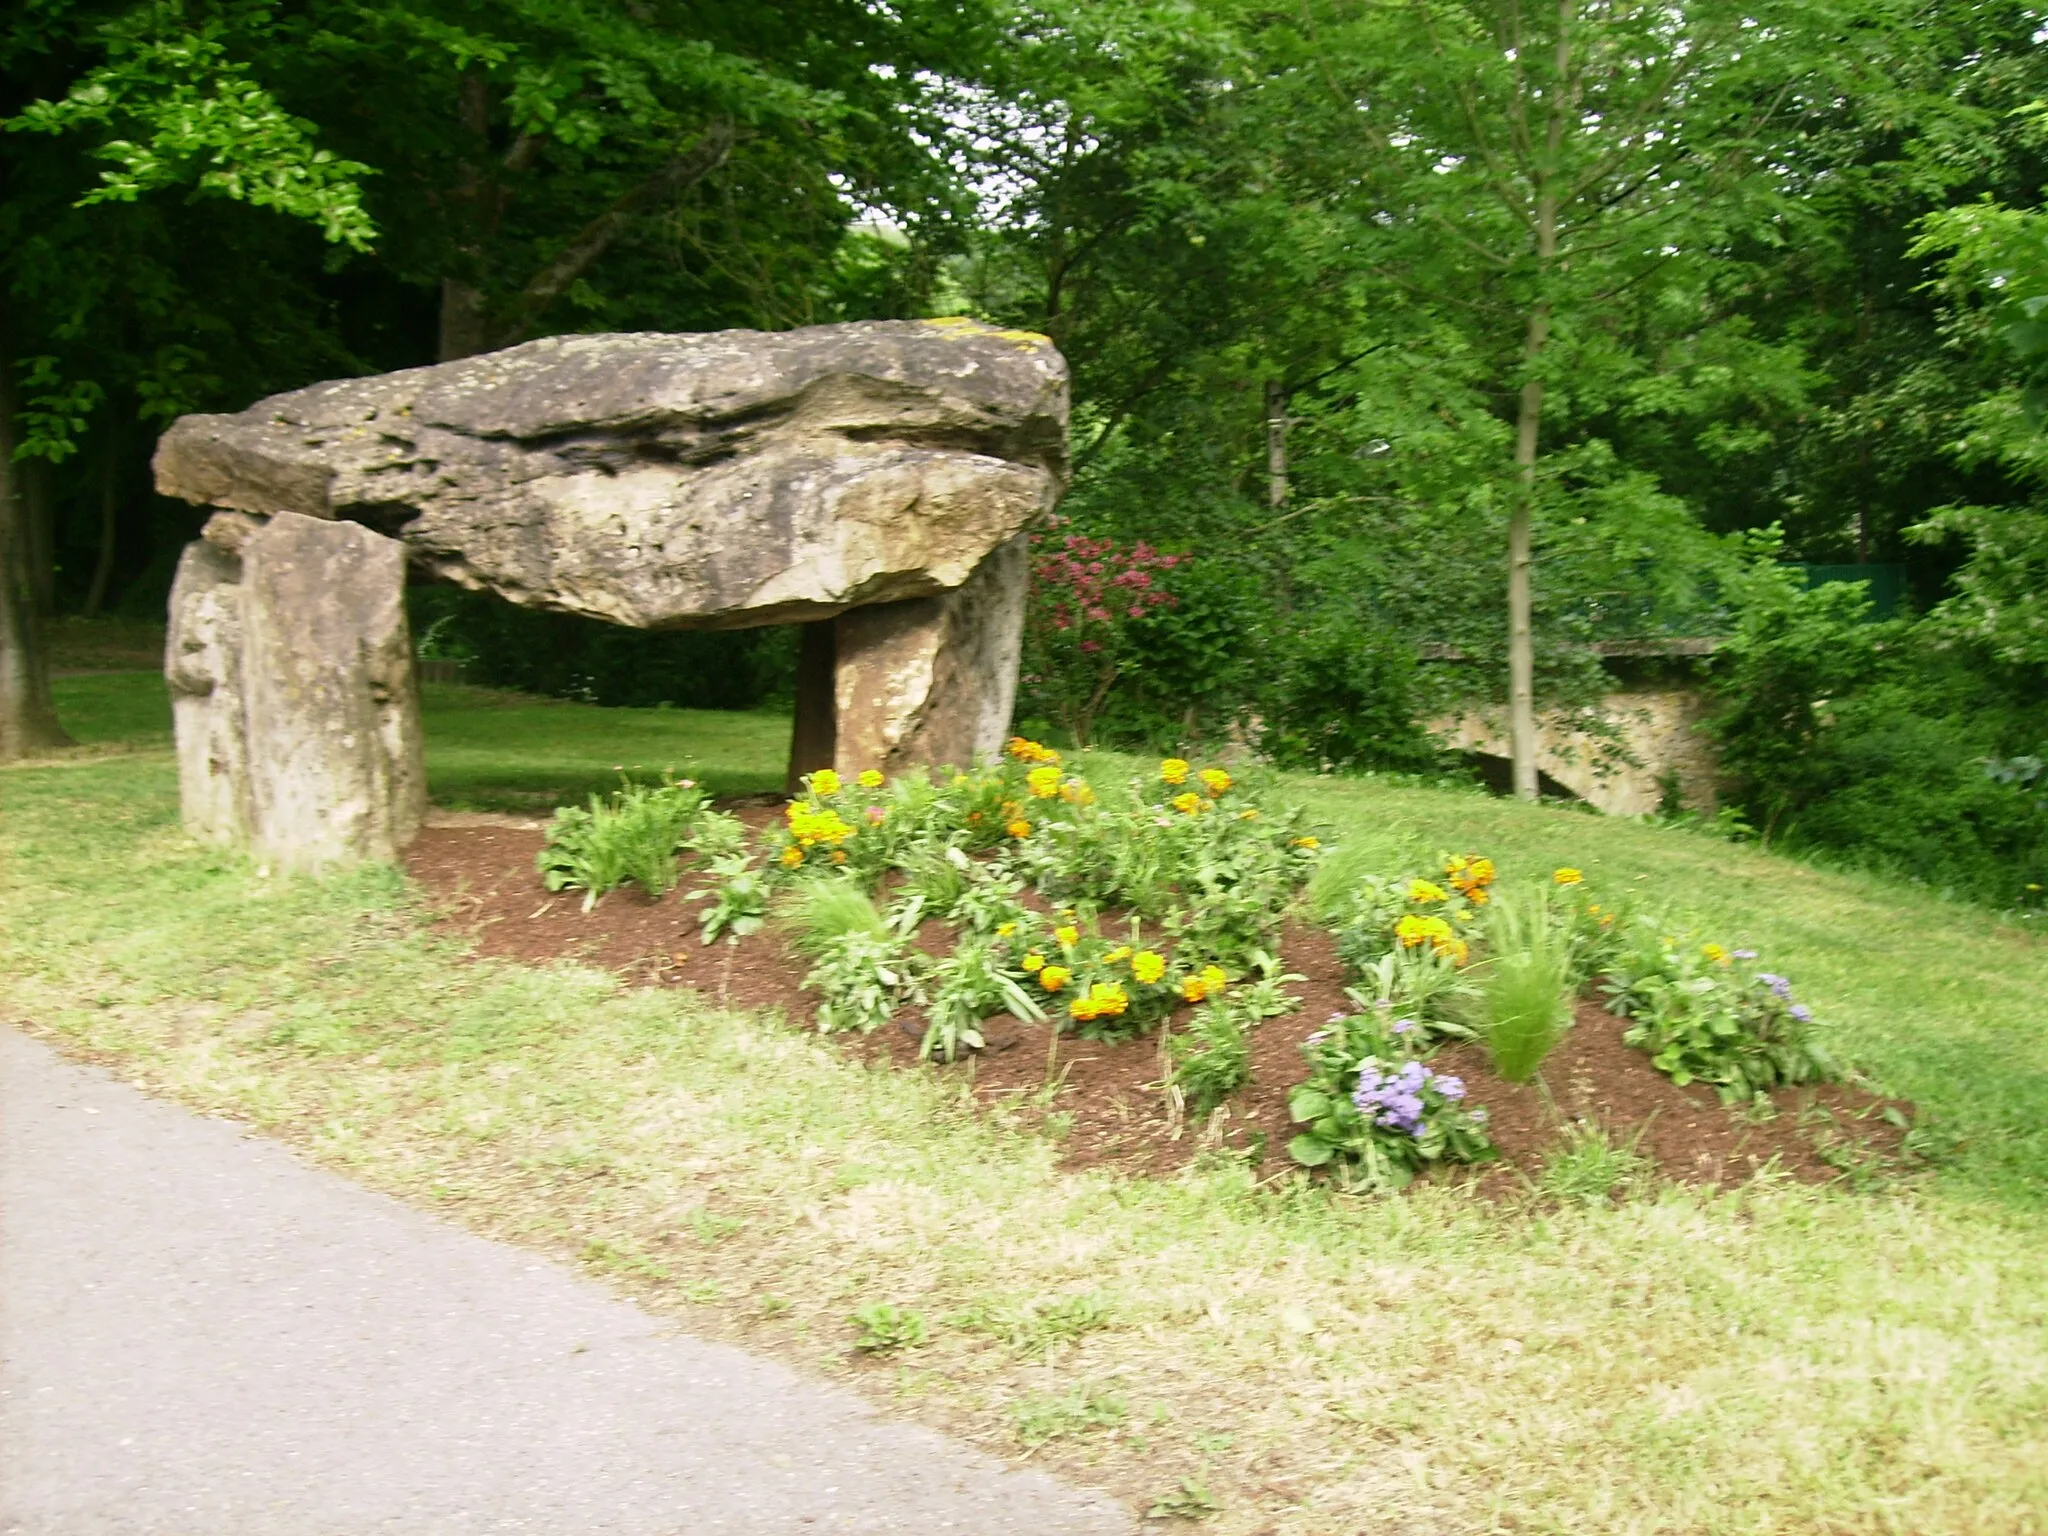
x=1773 y=1359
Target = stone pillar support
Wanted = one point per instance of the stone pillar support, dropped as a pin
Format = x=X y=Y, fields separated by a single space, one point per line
x=295 y=703
x=933 y=680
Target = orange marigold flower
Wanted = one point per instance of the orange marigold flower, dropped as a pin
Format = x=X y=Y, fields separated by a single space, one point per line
x=1019 y=828
x=792 y=856
x=1053 y=977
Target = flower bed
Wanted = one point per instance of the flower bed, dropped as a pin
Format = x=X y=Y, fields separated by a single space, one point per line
x=1140 y=964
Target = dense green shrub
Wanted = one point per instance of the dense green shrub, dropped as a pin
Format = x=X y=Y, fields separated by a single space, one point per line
x=1886 y=744
x=1341 y=693
x=569 y=657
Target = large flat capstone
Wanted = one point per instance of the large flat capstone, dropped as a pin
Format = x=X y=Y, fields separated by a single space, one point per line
x=658 y=481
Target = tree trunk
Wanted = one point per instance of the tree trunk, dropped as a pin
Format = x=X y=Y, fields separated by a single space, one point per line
x=462 y=295
x=1276 y=444
x=110 y=517
x=1528 y=437
x=32 y=485
x=1521 y=633
x=28 y=720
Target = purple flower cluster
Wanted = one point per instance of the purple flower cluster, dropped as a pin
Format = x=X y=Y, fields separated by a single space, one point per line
x=1394 y=1099
x=1783 y=988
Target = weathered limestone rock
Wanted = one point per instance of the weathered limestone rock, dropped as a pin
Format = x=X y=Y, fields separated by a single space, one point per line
x=872 y=481
x=1645 y=743
x=656 y=481
x=932 y=680
x=291 y=673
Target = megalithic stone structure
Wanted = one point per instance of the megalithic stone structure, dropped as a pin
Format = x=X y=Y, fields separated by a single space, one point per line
x=291 y=674
x=873 y=482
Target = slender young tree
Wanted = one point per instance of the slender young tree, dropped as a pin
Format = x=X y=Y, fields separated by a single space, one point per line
x=1532 y=174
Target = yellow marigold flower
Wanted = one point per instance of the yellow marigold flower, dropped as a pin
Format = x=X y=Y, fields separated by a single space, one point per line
x=1189 y=802
x=1426 y=891
x=792 y=856
x=824 y=782
x=1019 y=828
x=1251 y=815
x=1715 y=953
x=1478 y=896
x=1174 y=770
x=1006 y=930
x=1147 y=967
x=1193 y=990
x=1415 y=929
x=1458 y=950
x=1083 y=795
x=1107 y=997
x=1568 y=876
x=1021 y=748
x=1480 y=872
x=1214 y=980
x=1215 y=780
x=1033 y=961
x=1310 y=843
x=1053 y=977
x=1118 y=955
x=1068 y=936
x=871 y=778
x=1043 y=782
x=1082 y=1009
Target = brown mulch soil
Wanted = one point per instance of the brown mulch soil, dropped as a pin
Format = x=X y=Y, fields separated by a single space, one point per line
x=1107 y=1107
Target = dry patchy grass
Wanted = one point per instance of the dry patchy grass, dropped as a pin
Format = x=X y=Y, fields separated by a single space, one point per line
x=1775 y=1359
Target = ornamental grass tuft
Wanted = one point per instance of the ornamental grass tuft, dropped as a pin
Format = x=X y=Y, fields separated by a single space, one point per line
x=1525 y=994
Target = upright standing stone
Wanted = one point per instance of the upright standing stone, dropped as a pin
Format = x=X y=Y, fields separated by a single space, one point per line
x=296 y=709
x=932 y=680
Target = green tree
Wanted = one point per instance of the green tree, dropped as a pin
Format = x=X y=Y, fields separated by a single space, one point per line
x=1533 y=180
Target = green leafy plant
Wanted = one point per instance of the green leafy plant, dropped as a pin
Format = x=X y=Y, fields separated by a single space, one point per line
x=1189 y=1499
x=1045 y=1418
x=1705 y=1016
x=1589 y=1167
x=883 y=1328
x=629 y=835
x=1372 y=1113
x=739 y=899
x=1525 y=992
x=862 y=963
x=1038 y=1327
x=1212 y=1058
x=967 y=987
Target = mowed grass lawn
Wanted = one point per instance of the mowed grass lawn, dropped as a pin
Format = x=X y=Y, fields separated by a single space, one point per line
x=1777 y=1358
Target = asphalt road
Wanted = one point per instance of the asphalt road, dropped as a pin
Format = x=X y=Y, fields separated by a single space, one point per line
x=202 y=1336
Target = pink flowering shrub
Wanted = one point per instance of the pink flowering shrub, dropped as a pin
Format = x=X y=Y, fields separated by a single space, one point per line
x=1086 y=596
